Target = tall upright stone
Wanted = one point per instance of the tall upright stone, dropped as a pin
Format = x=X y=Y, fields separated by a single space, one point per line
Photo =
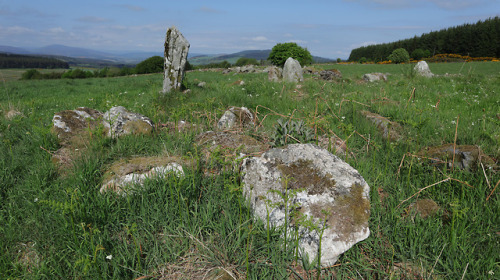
x=422 y=69
x=292 y=71
x=176 y=52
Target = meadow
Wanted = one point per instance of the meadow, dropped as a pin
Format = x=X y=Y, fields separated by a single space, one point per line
x=58 y=226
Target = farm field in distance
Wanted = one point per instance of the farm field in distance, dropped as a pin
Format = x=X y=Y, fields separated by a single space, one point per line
x=56 y=224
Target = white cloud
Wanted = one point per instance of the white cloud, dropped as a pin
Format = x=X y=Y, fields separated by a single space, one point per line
x=15 y=30
x=56 y=30
x=259 y=38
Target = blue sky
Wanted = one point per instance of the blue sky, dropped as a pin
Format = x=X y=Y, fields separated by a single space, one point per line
x=327 y=28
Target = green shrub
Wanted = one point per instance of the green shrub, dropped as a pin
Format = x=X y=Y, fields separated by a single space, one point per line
x=153 y=64
x=31 y=74
x=399 y=56
x=282 y=51
x=363 y=60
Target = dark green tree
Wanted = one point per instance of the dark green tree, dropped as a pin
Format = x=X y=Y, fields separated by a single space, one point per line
x=282 y=51
x=153 y=64
x=418 y=54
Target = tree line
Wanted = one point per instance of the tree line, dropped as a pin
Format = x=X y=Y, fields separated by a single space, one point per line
x=481 y=39
x=24 y=61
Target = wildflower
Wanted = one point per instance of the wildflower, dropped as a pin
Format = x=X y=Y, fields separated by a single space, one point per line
x=36 y=200
x=109 y=257
x=491 y=272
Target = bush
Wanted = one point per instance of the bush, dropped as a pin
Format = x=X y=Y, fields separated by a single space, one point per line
x=399 y=56
x=282 y=51
x=153 y=64
x=31 y=74
x=362 y=60
x=246 y=61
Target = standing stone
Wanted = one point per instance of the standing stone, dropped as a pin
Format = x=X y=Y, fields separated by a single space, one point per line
x=422 y=69
x=176 y=52
x=292 y=71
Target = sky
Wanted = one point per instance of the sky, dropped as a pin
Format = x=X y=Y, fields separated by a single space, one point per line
x=327 y=28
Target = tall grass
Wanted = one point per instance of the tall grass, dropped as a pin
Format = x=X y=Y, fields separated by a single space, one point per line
x=60 y=226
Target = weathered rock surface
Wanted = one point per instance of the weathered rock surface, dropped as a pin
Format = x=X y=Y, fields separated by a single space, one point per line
x=390 y=130
x=176 y=52
x=127 y=175
x=235 y=144
x=466 y=157
x=274 y=74
x=75 y=129
x=422 y=69
x=292 y=71
x=319 y=187
x=236 y=117
x=68 y=123
x=119 y=121
x=329 y=75
x=373 y=77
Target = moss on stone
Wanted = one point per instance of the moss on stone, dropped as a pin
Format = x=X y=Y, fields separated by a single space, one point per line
x=348 y=214
x=303 y=174
x=137 y=127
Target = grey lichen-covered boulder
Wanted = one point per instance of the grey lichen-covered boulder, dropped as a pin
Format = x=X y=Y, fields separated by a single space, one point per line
x=236 y=117
x=68 y=123
x=274 y=74
x=176 y=52
x=315 y=193
x=119 y=121
x=329 y=75
x=292 y=71
x=374 y=77
x=234 y=144
x=422 y=69
x=128 y=175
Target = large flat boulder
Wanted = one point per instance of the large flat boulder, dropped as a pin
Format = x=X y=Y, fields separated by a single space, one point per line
x=314 y=193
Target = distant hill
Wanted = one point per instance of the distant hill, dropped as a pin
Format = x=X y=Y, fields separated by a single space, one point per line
x=13 y=50
x=9 y=60
x=232 y=58
x=61 y=50
x=92 y=58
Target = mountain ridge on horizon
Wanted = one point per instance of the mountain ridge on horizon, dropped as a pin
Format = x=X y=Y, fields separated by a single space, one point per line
x=130 y=57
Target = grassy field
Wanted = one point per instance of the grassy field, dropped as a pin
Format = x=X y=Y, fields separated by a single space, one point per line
x=55 y=226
